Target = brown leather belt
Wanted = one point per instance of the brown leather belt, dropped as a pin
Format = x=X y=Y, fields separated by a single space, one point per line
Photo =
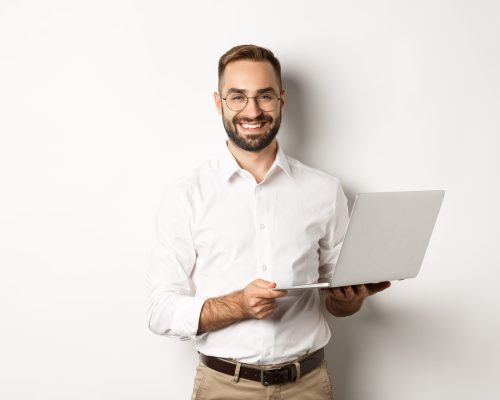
x=286 y=373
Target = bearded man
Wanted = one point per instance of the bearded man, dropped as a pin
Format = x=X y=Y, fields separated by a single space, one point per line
x=235 y=227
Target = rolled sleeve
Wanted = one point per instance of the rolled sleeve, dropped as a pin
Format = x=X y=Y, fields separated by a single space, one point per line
x=176 y=315
x=330 y=245
x=172 y=306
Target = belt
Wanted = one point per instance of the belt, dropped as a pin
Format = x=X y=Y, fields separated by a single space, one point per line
x=286 y=373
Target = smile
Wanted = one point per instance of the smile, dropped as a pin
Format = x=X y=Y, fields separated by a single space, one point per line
x=251 y=126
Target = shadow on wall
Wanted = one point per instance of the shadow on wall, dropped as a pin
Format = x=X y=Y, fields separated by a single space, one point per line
x=359 y=346
x=302 y=125
x=349 y=349
x=296 y=123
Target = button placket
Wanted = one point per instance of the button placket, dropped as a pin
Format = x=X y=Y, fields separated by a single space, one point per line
x=260 y=215
x=264 y=267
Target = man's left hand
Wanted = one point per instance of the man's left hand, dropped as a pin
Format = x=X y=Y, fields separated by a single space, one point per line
x=347 y=300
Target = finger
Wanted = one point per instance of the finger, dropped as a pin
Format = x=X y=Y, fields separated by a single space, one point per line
x=265 y=311
x=263 y=292
x=264 y=314
x=274 y=294
x=377 y=287
x=253 y=302
x=337 y=292
x=280 y=293
x=357 y=289
x=267 y=301
x=266 y=293
x=263 y=284
x=266 y=307
x=361 y=291
x=349 y=292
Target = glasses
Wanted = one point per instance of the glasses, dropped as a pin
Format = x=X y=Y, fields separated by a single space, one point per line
x=238 y=101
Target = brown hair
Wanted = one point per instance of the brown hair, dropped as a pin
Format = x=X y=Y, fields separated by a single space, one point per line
x=249 y=52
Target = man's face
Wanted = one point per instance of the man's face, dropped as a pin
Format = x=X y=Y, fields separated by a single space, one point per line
x=251 y=128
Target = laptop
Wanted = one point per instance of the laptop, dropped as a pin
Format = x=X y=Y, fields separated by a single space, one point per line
x=386 y=239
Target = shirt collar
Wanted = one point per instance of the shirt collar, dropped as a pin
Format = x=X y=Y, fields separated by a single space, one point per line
x=282 y=161
x=229 y=165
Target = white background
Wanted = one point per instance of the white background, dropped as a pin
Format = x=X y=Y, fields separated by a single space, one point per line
x=102 y=103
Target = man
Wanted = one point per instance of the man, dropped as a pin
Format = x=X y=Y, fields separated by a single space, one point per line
x=234 y=228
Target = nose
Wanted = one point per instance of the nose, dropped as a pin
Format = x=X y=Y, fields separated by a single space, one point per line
x=252 y=109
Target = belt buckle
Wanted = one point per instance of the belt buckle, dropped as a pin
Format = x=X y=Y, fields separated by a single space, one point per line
x=290 y=372
x=263 y=379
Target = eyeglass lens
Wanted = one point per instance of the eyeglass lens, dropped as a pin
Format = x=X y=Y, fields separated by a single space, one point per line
x=238 y=101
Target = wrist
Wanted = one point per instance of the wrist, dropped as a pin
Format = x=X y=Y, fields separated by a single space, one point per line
x=239 y=303
x=219 y=312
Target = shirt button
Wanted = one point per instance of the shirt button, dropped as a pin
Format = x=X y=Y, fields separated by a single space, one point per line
x=264 y=268
x=262 y=227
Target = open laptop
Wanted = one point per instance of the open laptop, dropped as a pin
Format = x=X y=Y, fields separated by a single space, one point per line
x=386 y=239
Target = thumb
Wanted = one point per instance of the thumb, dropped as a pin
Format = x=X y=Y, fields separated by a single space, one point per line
x=264 y=284
x=378 y=287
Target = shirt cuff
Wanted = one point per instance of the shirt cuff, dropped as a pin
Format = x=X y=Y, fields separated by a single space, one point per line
x=188 y=312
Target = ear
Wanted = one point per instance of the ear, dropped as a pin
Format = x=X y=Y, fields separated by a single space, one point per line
x=283 y=100
x=218 y=102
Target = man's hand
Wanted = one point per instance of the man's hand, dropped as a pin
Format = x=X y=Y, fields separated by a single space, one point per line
x=347 y=300
x=257 y=300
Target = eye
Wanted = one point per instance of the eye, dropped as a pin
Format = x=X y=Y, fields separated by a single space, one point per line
x=237 y=97
x=266 y=97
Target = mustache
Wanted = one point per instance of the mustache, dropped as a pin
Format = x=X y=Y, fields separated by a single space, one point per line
x=251 y=121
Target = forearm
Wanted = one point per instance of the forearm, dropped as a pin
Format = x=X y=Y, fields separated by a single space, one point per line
x=219 y=312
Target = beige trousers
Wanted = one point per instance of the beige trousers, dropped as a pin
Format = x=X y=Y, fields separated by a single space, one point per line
x=213 y=385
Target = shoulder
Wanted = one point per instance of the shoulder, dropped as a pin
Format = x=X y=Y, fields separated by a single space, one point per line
x=205 y=176
x=306 y=171
x=314 y=178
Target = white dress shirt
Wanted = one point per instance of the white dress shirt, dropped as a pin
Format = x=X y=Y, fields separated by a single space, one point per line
x=218 y=230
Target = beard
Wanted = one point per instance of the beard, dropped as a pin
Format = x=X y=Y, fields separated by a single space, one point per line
x=255 y=142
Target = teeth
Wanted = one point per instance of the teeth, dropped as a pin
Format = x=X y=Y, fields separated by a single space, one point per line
x=251 y=126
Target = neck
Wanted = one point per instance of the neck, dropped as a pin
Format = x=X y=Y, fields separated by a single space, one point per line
x=255 y=162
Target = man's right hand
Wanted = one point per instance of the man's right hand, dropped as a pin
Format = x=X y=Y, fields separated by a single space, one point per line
x=258 y=299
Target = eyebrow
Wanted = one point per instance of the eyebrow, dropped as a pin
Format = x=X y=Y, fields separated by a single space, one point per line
x=259 y=91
